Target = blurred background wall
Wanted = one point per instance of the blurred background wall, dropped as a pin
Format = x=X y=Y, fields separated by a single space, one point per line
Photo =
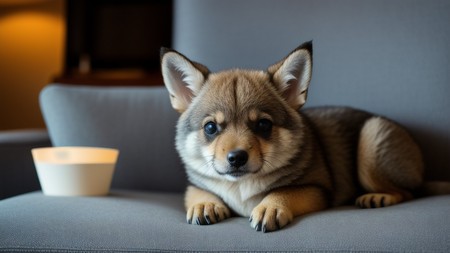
x=87 y=42
x=32 y=37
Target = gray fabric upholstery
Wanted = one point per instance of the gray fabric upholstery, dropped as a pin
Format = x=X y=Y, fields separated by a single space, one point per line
x=138 y=121
x=388 y=57
x=129 y=221
x=17 y=172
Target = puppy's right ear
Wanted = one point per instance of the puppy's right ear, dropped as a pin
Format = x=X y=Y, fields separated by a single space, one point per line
x=182 y=77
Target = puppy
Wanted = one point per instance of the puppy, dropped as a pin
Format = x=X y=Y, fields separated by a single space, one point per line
x=249 y=150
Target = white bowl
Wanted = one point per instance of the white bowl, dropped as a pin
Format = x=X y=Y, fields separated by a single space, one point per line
x=75 y=171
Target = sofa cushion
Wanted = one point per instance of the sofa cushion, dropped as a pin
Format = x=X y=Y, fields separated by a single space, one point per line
x=138 y=121
x=132 y=221
x=17 y=172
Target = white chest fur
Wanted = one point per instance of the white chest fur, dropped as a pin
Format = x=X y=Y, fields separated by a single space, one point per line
x=241 y=195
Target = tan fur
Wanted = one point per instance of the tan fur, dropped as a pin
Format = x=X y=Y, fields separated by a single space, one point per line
x=389 y=162
x=248 y=149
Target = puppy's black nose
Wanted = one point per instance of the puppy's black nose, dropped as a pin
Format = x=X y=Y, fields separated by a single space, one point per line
x=237 y=158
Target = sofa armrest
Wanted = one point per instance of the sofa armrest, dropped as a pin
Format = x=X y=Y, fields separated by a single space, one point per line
x=17 y=171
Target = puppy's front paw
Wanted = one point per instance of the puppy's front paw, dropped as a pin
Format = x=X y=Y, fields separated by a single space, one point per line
x=267 y=218
x=207 y=213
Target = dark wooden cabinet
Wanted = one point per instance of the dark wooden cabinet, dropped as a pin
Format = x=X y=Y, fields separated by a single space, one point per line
x=115 y=42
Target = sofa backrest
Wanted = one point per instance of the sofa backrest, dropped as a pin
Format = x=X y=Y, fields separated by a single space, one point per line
x=388 y=57
x=138 y=121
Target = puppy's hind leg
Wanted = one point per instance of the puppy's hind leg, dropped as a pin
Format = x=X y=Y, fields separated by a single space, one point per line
x=389 y=162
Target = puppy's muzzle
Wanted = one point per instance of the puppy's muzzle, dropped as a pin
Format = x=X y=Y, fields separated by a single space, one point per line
x=237 y=159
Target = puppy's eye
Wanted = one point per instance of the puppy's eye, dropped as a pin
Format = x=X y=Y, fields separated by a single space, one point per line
x=264 y=126
x=210 y=128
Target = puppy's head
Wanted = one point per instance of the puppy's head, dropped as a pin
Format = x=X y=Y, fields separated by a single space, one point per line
x=238 y=123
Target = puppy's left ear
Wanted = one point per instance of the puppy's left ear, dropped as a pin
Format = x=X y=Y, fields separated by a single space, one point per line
x=292 y=75
x=183 y=78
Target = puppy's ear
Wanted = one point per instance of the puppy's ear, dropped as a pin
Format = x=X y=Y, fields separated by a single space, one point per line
x=293 y=74
x=182 y=77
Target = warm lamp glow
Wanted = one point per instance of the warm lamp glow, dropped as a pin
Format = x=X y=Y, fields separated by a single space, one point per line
x=31 y=53
x=27 y=36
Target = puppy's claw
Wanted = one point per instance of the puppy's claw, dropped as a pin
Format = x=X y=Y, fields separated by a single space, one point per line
x=216 y=216
x=264 y=229
x=258 y=227
x=208 y=221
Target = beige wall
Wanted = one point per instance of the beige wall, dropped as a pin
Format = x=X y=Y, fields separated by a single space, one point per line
x=32 y=36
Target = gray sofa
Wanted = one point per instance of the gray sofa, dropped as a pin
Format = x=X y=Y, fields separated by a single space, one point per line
x=387 y=57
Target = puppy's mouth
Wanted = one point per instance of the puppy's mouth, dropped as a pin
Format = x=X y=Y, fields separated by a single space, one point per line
x=235 y=173
x=237 y=164
x=232 y=172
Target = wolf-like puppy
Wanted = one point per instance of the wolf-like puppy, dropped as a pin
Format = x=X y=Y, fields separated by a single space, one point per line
x=249 y=150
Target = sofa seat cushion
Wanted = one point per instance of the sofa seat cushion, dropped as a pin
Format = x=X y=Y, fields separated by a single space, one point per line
x=131 y=221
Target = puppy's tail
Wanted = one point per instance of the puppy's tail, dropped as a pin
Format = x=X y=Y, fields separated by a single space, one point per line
x=432 y=188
